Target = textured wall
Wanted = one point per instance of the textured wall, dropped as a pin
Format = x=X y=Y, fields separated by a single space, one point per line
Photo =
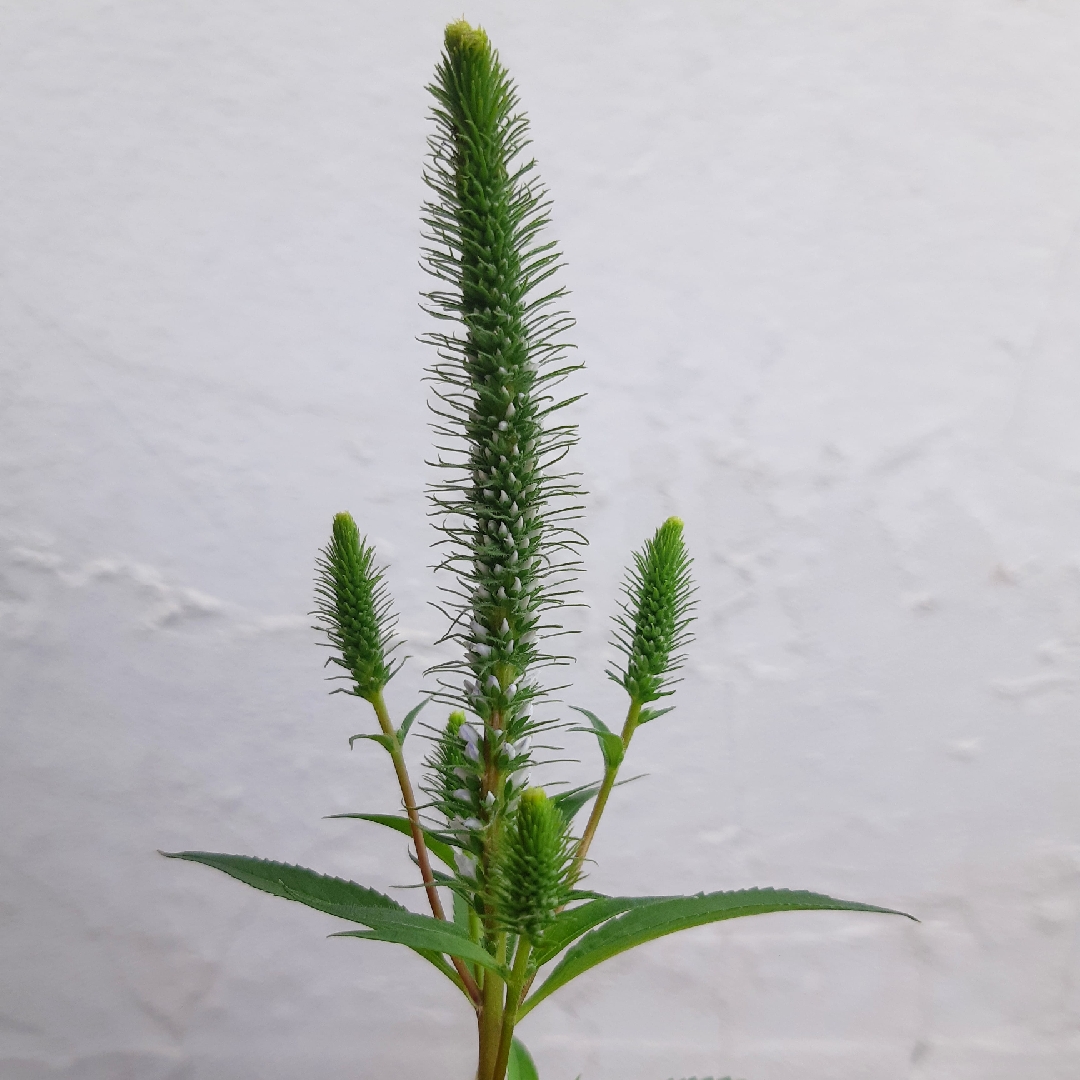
x=825 y=263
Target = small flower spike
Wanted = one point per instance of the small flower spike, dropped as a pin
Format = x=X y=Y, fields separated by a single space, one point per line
x=533 y=878
x=656 y=616
x=354 y=610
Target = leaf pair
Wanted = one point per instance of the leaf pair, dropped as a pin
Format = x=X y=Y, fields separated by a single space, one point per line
x=384 y=740
x=595 y=931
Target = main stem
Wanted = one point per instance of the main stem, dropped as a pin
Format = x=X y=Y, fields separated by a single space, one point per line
x=491 y=1014
x=513 y=1002
x=409 y=799
x=605 y=790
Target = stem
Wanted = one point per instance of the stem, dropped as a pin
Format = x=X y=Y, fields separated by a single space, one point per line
x=491 y=1016
x=582 y=850
x=605 y=790
x=513 y=1001
x=409 y=800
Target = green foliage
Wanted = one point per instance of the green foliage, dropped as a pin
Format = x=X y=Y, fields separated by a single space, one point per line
x=521 y=1065
x=437 y=843
x=658 y=918
x=655 y=616
x=354 y=610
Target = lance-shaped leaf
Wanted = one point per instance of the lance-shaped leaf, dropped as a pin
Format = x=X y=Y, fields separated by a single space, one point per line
x=291 y=882
x=650 y=921
x=437 y=843
x=570 y=925
x=418 y=932
x=328 y=894
x=410 y=716
x=570 y=802
x=611 y=744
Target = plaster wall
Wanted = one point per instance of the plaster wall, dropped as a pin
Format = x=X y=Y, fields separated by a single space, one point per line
x=825 y=263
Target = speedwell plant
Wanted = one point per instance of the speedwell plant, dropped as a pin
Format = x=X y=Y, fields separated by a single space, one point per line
x=502 y=861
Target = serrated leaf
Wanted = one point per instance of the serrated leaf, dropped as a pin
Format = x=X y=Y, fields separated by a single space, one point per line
x=383 y=740
x=410 y=716
x=435 y=844
x=611 y=745
x=572 y=924
x=313 y=889
x=520 y=1065
x=647 y=922
x=319 y=891
x=418 y=932
x=570 y=802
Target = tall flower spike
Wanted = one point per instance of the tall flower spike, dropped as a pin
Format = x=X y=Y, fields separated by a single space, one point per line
x=655 y=619
x=533 y=878
x=354 y=610
x=505 y=511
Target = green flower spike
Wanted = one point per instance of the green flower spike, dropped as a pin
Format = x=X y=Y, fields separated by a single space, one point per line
x=654 y=622
x=505 y=511
x=354 y=610
x=533 y=879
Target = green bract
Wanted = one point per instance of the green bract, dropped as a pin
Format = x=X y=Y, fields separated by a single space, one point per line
x=507 y=856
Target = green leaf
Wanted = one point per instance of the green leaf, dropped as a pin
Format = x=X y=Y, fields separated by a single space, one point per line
x=383 y=740
x=435 y=844
x=408 y=721
x=646 y=922
x=570 y=802
x=291 y=882
x=570 y=925
x=328 y=894
x=418 y=932
x=521 y=1065
x=611 y=745
x=651 y=714
x=461 y=912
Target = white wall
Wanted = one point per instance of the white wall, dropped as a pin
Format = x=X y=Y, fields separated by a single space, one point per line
x=825 y=263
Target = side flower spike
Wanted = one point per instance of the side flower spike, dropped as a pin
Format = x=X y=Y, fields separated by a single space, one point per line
x=354 y=610
x=655 y=618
